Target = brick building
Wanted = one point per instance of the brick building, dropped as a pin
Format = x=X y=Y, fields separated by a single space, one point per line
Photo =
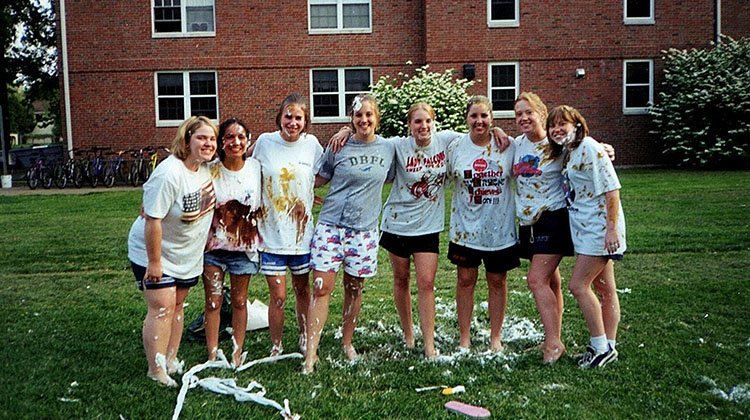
x=132 y=71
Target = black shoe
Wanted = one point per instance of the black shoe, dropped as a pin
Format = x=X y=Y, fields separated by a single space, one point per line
x=591 y=359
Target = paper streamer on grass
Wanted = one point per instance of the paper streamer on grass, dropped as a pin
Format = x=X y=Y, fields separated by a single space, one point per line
x=229 y=386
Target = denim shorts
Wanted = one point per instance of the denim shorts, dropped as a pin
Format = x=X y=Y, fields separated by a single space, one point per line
x=166 y=281
x=276 y=264
x=232 y=262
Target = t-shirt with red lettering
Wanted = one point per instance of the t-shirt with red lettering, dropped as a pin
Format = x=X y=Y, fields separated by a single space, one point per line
x=482 y=208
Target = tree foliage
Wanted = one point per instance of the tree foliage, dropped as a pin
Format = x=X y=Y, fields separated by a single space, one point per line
x=27 y=34
x=22 y=118
x=703 y=114
x=446 y=95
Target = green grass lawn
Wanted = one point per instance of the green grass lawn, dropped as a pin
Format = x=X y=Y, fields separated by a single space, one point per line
x=72 y=318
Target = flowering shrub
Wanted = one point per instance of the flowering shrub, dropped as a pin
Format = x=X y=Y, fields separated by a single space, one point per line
x=396 y=95
x=703 y=114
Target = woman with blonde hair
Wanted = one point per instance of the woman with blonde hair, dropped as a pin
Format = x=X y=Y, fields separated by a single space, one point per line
x=165 y=244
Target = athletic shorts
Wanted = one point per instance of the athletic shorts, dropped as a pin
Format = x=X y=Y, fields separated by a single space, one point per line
x=232 y=262
x=276 y=264
x=166 y=281
x=499 y=261
x=549 y=235
x=405 y=246
x=356 y=249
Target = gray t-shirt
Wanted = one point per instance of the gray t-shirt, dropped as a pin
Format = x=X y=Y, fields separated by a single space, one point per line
x=416 y=204
x=357 y=174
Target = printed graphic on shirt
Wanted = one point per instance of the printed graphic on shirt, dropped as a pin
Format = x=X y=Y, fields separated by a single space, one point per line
x=484 y=182
x=197 y=204
x=527 y=166
x=432 y=180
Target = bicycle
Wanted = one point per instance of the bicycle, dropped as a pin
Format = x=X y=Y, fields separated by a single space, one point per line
x=116 y=169
x=96 y=171
x=39 y=173
x=138 y=168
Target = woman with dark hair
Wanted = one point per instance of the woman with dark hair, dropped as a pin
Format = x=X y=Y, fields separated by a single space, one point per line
x=233 y=240
x=165 y=244
x=597 y=226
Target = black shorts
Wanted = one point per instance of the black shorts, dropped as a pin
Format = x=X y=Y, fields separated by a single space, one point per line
x=549 y=235
x=494 y=261
x=139 y=272
x=405 y=246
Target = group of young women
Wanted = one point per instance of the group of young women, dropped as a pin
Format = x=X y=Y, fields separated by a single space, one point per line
x=263 y=222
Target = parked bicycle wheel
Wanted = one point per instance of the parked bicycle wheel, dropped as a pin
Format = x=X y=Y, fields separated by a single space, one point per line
x=135 y=172
x=60 y=176
x=109 y=175
x=46 y=177
x=32 y=178
x=78 y=173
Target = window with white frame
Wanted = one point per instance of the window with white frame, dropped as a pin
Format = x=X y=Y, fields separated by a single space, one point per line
x=637 y=86
x=502 y=13
x=175 y=18
x=339 y=16
x=638 y=12
x=503 y=88
x=180 y=95
x=333 y=90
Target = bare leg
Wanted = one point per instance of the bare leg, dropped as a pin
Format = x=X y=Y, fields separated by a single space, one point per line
x=213 y=282
x=352 y=305
x=425 y=264
x=157 y=327
x=301 y=285
x=586 y=269
x=323 y=283
x=467 y=280
x=498 y=300
x=175 y=336
x=277 y=297
x=607 y=290
x=544 y=282
x=402 y=296
x=239 y=314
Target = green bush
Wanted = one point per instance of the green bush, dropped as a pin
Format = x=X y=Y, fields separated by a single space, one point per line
x=703 y=114
x=447 y=95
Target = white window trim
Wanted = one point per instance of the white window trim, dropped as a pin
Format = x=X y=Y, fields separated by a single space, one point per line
x=516 y=88
x=185 y=96
x=339 y=20
x=640 y=20
x=638 y=110
x=183 y=22
x=505 y=23
x=341 y=93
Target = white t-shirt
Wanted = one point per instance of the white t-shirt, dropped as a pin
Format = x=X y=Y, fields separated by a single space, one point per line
x=589 y=174
x=416 y=203
x=539 y=180
x=482 y=212
x=288 y=177
x=184 y=201
x=235 y=224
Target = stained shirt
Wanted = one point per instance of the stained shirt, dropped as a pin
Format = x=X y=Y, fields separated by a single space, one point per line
x=589 y=174
x=539 y=179
x=288 y=177
x=416 y=203
x=482 y=208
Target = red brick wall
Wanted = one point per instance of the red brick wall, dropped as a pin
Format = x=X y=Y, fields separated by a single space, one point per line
x=735 y=18
x=262 y=52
